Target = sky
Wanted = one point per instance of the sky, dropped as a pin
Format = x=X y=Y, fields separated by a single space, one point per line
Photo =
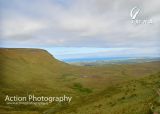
x=81 y=28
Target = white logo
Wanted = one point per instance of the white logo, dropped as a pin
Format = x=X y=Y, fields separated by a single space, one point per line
x=134 y=12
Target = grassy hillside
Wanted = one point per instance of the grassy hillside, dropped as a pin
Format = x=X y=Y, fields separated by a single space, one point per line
x=112 y=89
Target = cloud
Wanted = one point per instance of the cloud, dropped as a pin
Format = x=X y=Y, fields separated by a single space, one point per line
x=13 y=28
x=79 y=23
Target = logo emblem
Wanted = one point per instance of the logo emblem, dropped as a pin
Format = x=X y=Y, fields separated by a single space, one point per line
x=134 y=12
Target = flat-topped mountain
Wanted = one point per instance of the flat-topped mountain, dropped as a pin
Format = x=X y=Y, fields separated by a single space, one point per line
x=29 y=68
x=27 y=54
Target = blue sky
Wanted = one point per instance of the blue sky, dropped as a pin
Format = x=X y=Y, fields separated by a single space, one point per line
x=81 y=28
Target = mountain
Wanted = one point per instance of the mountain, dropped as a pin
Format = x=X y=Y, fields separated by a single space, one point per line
x=95 y=89
x=29 y=67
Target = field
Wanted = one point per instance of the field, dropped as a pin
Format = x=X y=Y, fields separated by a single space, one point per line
x=107 y=89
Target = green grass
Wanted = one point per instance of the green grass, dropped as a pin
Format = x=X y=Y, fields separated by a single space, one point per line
x=78 y=87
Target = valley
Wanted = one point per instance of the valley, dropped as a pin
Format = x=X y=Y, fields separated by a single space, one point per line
x=96 y=89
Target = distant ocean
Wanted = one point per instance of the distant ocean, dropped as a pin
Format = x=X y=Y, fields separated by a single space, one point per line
x=106 y=59
x=95 y=59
